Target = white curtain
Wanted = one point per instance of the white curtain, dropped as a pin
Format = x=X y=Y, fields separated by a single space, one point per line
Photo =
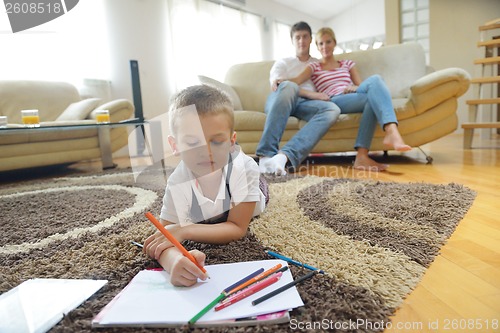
x=207 y=38
x=283 y=46
x=69 y=48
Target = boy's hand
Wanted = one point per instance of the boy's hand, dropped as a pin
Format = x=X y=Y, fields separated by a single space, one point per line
x=156 y=244
x=183 y=272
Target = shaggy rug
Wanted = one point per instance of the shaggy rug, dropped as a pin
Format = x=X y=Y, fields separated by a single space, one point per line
x=373 y=239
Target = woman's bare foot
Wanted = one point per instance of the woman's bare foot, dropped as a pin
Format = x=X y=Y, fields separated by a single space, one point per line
x=393 y=138
x=364 y=162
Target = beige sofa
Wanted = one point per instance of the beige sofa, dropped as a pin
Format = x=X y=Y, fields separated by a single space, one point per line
x=425 y=103
x=59 y=103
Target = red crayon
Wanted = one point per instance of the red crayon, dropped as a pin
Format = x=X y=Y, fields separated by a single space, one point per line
x=255 y=279
x=250 y=291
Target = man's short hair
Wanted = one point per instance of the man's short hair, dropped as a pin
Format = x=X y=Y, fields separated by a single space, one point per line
x=300 y=26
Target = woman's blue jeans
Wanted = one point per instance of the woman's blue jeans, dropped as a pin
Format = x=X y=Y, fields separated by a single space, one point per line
x=374 y=100
x=285 y=102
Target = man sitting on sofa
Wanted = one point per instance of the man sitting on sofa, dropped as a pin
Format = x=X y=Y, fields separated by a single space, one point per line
x=284 y=101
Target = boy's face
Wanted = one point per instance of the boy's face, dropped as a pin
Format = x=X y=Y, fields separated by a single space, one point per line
x=203 y=142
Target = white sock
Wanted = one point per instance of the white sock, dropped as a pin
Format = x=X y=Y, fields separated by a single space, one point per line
x=276 y=165
x=263 y=163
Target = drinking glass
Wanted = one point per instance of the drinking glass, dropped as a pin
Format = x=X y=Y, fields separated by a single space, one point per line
x=102 y=116
x=30 y=118
x=3 y=121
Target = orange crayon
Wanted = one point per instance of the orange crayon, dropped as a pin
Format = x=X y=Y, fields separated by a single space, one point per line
x=255 y=279
x=174 y=241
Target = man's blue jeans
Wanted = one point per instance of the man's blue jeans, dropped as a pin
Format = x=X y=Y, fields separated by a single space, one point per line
x=374 y=100
x=285 y=102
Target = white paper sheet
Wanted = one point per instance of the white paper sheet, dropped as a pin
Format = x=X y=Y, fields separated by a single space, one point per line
x=38 y=304
x=150 y=299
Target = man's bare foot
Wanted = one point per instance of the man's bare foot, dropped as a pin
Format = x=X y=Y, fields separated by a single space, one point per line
x=364 y=162
x=393 y=138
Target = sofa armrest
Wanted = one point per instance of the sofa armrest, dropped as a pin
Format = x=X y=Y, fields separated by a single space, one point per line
x=119 y=109
x=437 y=87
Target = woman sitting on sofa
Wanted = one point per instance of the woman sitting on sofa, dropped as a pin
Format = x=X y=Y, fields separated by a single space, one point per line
x=340 y=82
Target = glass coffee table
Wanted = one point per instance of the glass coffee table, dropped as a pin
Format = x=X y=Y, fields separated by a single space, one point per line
x=103 y=130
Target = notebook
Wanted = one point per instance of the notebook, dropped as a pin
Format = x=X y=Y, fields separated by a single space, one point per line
x=150 y=300
x=38 y=304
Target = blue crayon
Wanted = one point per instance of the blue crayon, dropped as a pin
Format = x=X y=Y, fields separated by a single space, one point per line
x=294 y=262
x=245 y=279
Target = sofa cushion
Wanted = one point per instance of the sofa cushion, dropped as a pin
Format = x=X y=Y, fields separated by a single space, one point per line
x=254 y=121
x=399 y=66
x=49 y=98
x=79 y=110
x=251 y=82
x=225 y=88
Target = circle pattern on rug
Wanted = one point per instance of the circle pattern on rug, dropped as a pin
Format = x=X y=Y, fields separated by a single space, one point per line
x=66 y=212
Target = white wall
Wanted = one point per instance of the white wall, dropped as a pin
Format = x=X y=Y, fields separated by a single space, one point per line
x=137 y=32
x=275 y=11
x=454 y=35
x=365 y=18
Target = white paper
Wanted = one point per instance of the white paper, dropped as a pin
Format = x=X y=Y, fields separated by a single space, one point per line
x=38 y=304
x=150 y=299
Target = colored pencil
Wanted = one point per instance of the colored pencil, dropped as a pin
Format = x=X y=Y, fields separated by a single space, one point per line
x=174 y=241
x=137 y=244
x=283 y=288
x=245 y=279
x=206 y=309
x=294 y=262
x=282 y=269
x=255 y=279
x=222 y=296
x=250 y=291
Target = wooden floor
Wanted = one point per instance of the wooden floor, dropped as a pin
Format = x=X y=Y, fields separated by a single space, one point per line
x=460 y=292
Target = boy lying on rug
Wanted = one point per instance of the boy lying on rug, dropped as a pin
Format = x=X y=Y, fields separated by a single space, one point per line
x=214 y=191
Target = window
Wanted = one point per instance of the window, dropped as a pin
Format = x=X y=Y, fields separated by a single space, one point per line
x=69 y=48
x=363 y=44
x=207 y=38
x=415 y=23
x=282 y=43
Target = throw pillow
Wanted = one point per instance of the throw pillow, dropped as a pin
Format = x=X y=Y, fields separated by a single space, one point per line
x=225 y=88
x=79 y=110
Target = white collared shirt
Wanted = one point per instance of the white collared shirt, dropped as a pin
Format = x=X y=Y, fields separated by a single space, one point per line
x=243 y=183
x=288 y=68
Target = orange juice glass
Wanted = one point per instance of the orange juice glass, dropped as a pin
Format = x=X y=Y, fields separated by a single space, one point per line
x=30 y=118
x=102 y=117
x=3 y=121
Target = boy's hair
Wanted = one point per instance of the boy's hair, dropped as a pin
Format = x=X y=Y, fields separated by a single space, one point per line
x=299 y=26
x=207 y=100
x=325 y=31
